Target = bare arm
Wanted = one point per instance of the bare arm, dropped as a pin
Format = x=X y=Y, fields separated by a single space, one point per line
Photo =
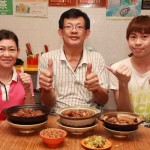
x=29 y=99
x=100 y=94
x=26 y=81
x=122 y=97
x=48 y=97
x=46 y=83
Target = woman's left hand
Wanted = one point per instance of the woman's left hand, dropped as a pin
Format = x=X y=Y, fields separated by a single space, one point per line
x=25 y=78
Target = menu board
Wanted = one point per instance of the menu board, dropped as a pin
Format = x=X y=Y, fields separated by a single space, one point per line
x=82 y=3
x=62 y=3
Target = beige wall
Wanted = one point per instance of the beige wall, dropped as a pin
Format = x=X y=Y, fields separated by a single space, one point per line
x=107 y=36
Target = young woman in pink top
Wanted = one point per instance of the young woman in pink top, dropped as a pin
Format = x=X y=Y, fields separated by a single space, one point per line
x=16 y=88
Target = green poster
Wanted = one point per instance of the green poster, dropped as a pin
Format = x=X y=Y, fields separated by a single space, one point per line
x=6 y=7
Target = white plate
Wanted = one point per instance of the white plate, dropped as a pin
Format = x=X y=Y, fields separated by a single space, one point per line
x=107 y=145
x=119 y=134
x=76 y=130
x=26 y=128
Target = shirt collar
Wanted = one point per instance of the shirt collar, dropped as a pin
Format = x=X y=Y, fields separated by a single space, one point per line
x=84 y=57
x=15 y=76
x=62 y=54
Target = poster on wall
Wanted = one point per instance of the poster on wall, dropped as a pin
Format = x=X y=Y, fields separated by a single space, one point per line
x=6 y=7
x=92 y=3
x=67 y=3
x=146 y=4
x=123 y=8
x=31 y=8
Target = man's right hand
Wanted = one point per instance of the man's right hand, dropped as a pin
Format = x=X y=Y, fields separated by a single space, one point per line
x=46 y=77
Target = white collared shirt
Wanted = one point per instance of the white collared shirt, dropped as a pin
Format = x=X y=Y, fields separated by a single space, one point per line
x=69 y=84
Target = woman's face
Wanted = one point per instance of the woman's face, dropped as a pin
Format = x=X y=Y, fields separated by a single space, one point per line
x=139 y=43
x=74 y=32
x=8 y=53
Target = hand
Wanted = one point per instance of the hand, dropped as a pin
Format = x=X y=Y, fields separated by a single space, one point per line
x=25 y=78
x=91 y=79
x=46 y=77
x=123 y=73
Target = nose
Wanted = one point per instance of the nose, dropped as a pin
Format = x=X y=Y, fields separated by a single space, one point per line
x=138 y=41
x=6 y=53
x=74 y=28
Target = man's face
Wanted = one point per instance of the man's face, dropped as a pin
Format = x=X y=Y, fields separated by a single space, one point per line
x=74 y=32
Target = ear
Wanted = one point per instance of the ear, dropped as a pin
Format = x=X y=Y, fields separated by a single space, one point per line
x=88 y=31
x=18 y=51
x=60 y=32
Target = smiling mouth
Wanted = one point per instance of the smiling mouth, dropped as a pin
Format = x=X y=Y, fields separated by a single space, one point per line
x=74 y=37
x=7 y=61
x=138 y=50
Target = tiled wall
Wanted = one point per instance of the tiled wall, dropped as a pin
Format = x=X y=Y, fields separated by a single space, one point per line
x=107 y=36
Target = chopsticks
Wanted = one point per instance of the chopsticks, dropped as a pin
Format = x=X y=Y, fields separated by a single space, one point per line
x=46 y=48
x=29 y=49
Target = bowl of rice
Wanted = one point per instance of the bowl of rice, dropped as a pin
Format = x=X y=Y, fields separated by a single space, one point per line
x=53 y=136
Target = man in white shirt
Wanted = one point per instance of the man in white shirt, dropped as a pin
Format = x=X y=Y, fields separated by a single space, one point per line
x=73 y=75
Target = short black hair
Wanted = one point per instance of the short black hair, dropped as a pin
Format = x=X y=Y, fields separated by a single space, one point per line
x=7 y=34
x=74 y=13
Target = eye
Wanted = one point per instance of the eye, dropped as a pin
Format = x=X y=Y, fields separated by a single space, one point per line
x=132 y=36
x=80 y=27
x=145 y=36
x=1 y=49
x=68 y=27
x=12 y=50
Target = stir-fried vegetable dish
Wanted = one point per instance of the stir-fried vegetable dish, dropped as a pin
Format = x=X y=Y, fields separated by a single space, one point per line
x=95 y=141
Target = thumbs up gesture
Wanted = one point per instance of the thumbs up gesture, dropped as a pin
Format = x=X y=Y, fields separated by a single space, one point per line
x=46 y=77
x=91 y=79
x=25 y=78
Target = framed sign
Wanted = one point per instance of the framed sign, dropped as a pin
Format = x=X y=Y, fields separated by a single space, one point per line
x=31 y=8
x=6 y=7
x=62 y=3
x=145 y=4
x=92 y=3
x=82 y=3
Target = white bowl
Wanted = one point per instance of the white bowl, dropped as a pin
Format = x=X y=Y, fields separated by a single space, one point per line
x=78 y=122
x=74 y=130
x=26 y=128
x=119 y=134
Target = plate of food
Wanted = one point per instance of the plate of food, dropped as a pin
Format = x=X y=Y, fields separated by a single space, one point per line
x=121 y=121
x=96 y=142
x=26 y=128
x=74 y=130
x=119 y=134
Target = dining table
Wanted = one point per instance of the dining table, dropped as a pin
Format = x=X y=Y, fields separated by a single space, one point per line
x=12 y=139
